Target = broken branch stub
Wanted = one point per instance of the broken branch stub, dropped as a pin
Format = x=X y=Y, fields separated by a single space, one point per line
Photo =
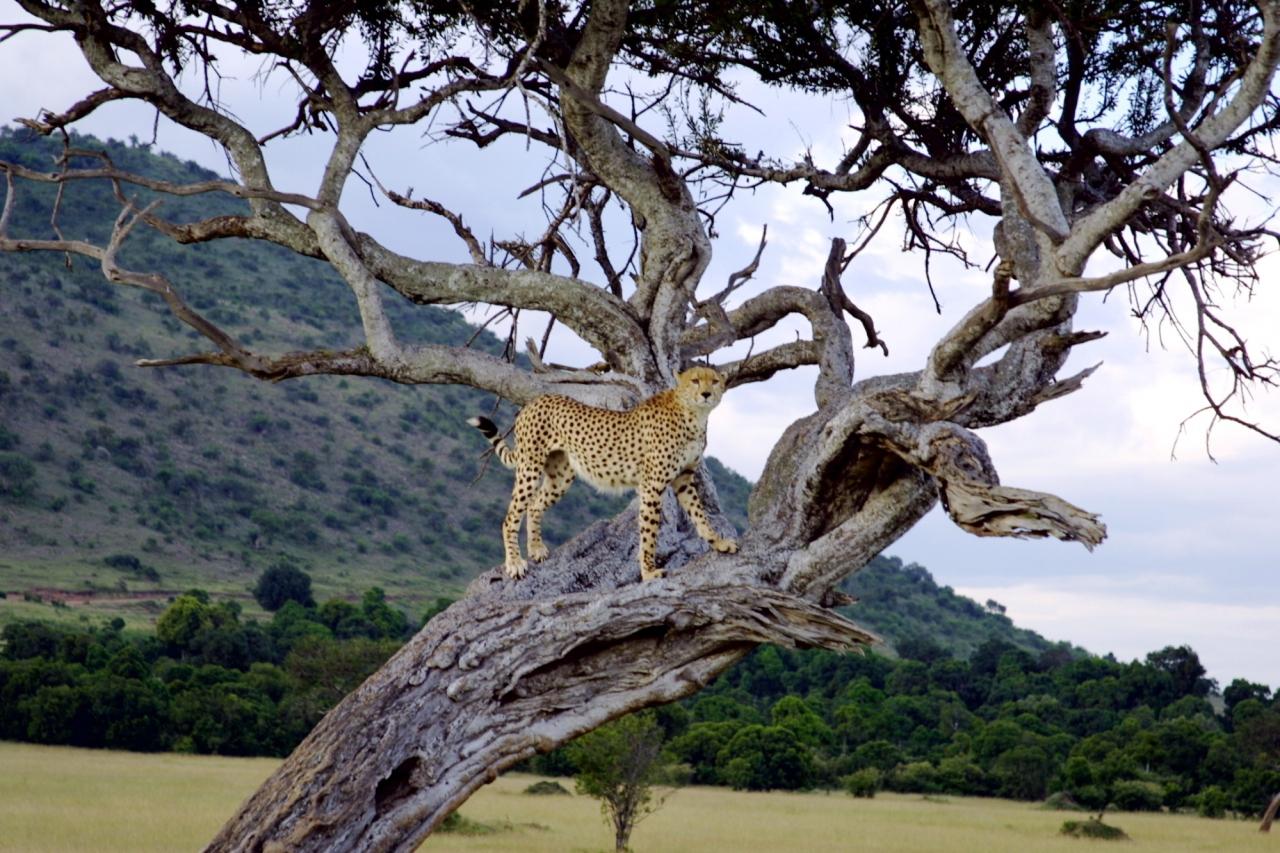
x=971 y=493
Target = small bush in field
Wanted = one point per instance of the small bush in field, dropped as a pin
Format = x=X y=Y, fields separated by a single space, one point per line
x=863 y=783
x=1094 y=828
x=547 y=787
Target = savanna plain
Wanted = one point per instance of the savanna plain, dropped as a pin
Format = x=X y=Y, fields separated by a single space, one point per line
x=66 y=799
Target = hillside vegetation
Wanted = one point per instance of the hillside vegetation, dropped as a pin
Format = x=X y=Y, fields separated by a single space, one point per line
x=203 y=476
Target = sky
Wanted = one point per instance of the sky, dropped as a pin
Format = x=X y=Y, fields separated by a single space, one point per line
x=1193 y=544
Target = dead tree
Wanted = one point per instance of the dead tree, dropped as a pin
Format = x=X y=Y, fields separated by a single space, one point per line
x=1077 y=132
x=1270 y=814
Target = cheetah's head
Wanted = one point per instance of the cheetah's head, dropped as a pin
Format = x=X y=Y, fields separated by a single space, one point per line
x=700 y=388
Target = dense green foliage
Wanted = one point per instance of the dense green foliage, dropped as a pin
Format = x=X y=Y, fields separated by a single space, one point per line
x=207 y=681
x=1140 y=735
x=1143 y=735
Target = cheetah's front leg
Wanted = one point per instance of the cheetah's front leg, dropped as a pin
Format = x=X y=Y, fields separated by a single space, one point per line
x=650 y=519
x=687 y=494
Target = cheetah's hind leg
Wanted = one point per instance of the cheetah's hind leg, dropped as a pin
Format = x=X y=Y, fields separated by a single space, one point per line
x=557 y=476
x=521 y=493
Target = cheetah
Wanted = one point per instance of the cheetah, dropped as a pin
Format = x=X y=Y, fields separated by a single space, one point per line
x=656 y=444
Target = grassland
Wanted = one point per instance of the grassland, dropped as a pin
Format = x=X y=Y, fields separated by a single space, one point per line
x=63 y=799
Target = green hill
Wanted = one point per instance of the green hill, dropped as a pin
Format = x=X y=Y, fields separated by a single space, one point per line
x=125 y=485
x=203 y=476
x=903 y=604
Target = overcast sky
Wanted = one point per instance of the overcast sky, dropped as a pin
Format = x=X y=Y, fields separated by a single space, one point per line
x=1192 y=544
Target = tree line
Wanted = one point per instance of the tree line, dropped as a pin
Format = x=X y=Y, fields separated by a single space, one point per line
x=1143 y=735
x=1005 y=722
x=206 y=681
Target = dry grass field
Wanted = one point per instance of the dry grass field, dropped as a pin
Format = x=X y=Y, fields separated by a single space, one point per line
x=61 y=799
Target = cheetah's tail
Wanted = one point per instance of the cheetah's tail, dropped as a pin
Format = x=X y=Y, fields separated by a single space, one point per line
x=490 y=431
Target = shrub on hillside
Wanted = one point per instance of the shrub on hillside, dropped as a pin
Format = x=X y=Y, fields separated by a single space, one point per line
x=130 y=563
x=283 y=582
x=17 y=476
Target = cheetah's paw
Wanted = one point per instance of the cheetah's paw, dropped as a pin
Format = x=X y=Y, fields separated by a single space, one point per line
x=725 y=546
x=538 y=552
x=515 y=569
x=651 y=574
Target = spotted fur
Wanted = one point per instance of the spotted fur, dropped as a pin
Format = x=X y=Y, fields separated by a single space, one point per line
x=656 y=444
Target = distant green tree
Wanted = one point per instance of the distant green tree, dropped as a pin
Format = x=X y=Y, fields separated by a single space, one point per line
x=128 y=662
x=388 y=622
x=792 y=713
x=958 y=774
x=1134 y=795
x=908 y=677
x=1212 y=802
x=57 y=714
x=30 y=639
x=227 y=717
x=127 y=712
x=1183 y=665
x=1253 y=788
x=916 y=777
x=282 y=582
x=879 y=754
x=226 y=645
x=921 y=648
x=1023 y=773
x=324 y=670
x=862 y=783
x=292 y=622
x=699 y=745
x=718 y=708
x=1239 y=690
x=343 y=619
x=762 y=758
x=621 y=765
x=183 y=621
